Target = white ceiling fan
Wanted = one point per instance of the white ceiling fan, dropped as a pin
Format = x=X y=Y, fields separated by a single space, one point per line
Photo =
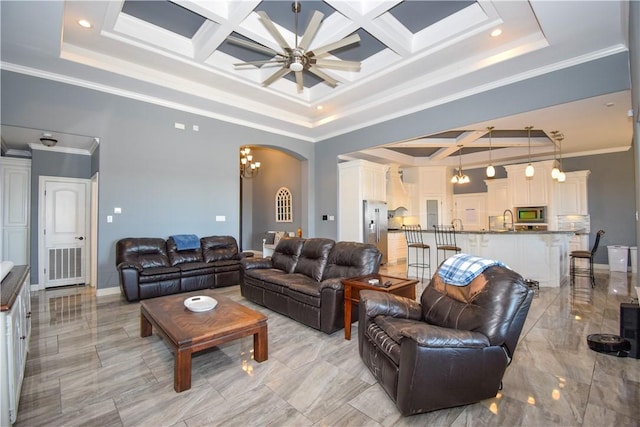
x=298 y=58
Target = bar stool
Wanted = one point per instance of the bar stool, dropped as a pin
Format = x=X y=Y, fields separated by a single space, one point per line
x=582 y=271
x=445 y=241
x=413 y=234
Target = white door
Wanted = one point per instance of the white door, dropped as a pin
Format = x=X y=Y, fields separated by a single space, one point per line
x=63 y=258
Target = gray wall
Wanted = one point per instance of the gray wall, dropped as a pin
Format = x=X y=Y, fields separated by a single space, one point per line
x=279 y=169
x=51 y=163
x=166 y=181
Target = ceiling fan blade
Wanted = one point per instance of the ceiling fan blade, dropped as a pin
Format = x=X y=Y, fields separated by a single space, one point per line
x=327 y=78
x=271 y=28
x=271 y=61
x=337 y=64
x=311 y=30
x=252 y=45
x=353 y=38
x=275 y=76
x=299 y=81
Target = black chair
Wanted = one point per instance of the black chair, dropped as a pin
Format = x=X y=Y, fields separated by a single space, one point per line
x=421 y=251
x=582 y=271
x=445 y=241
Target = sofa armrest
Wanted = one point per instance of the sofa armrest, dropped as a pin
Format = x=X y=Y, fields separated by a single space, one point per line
x=335 y=284
x=384 y=304
x=127 y=265
x=255 y=263
x=426 y=335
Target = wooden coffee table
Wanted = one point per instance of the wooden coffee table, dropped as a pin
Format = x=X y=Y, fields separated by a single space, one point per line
x=352 y=287
x=187 y=332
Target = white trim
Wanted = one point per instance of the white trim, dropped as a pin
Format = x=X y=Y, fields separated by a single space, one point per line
x=113 y=290
x=35 y=146
x=93 y=231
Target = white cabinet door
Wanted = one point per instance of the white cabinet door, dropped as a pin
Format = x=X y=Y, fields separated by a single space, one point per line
x=497 y=196
x=471 y=209
x=16 y=196
x=572 y=194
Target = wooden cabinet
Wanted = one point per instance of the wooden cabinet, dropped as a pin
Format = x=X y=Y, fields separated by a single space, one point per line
x=358 y=180
x=571 y=195
x=397 y=247
x=16 y=197
x=15 y=318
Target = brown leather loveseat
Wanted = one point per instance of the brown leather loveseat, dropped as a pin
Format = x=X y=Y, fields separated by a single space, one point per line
x=302 y=279
x=452 y=348
x=151 y=267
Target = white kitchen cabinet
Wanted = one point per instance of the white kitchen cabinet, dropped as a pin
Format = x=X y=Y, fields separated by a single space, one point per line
x=15 y=318
x=497 y=196
x=358 y=180
x=571 y=195
x=397 y=247
x=532 y=191
x=16 y=196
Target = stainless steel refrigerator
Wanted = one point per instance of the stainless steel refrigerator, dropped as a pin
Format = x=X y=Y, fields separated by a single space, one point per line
x=375 y=225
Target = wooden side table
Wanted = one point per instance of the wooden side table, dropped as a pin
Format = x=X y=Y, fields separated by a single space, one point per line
x=352 y=287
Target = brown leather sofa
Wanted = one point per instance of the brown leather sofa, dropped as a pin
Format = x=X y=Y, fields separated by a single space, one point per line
x=452 y=348
x=302 y=279
x=151 y=267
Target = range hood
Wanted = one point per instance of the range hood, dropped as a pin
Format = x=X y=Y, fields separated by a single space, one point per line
x=397 y=196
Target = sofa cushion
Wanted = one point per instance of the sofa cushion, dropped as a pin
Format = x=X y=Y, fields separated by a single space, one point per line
x=159 y=274
x=196 y=269
x=350 y=259
x=148 y=252
x=286 y=254
x=313 y=257
x=219 y=248
x=177 y=257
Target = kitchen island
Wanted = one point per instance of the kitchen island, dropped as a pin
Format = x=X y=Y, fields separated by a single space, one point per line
x=536 y=255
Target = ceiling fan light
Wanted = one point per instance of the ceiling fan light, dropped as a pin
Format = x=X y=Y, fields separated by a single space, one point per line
x=296 y=67
x=529 y=171
x=491 y=171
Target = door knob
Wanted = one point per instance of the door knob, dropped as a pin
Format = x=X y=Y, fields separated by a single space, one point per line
x=79 y=238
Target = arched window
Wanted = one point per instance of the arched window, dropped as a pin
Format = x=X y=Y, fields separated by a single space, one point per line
x=284 y=205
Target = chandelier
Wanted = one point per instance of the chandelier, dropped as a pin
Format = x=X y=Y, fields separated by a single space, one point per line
x=248 y=168
x=460 y=178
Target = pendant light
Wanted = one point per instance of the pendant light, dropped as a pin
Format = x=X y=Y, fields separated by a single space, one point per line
x=555 y=171
x=491 y=171
x=529 y=171
x=562 y=177
x=460 y=178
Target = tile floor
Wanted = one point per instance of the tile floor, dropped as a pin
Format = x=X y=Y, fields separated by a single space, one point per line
x=88 y=366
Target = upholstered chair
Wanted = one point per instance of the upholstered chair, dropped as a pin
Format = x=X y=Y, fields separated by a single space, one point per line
x=450 y=349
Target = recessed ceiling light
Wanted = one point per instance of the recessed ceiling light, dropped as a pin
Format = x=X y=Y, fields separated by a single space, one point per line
x=319 y=107
x=609 y=104
x=496 y=32
x=84 y=23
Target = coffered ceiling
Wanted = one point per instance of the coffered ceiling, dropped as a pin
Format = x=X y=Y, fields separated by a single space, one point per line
x=413 y=54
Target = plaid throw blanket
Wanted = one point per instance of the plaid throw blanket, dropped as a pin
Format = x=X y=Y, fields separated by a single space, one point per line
x=461 y=269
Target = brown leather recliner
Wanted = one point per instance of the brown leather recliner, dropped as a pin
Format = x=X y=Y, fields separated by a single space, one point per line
x=452 y=348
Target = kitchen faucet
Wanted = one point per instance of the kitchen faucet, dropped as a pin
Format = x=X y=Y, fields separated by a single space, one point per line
x=459 y=221
x=504 y=222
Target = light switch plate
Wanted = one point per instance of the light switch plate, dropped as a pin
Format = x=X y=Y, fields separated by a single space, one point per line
x=221 y=218
x=109 y=218
x=117 y=210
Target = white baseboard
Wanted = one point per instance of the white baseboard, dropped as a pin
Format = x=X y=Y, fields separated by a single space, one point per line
x=114 y=290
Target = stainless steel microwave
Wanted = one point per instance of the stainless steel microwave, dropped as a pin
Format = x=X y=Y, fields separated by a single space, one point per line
x=533 y=214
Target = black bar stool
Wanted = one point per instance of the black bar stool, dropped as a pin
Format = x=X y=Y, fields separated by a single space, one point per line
x=582 y=271
x=445 y=241
x=413 y=234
